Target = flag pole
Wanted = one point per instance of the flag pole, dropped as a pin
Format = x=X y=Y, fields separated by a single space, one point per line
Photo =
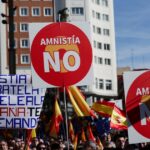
x=66 y=117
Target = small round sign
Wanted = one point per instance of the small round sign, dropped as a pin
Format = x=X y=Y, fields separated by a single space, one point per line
x=61 y=54
x=137 y=108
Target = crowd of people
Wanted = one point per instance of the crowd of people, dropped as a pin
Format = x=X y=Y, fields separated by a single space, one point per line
x=109 y=141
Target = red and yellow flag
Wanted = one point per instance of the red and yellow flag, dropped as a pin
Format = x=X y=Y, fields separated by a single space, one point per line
x=118 y=119
x=55 y=121
x=90 y=134
x=103 y=108
x=83 y=138
x=31 y=133
x=75 y=142
x=71 y=131
x=80 y=101
x=74 y=104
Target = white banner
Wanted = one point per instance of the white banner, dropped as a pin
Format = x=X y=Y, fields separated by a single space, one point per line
x=20 y=104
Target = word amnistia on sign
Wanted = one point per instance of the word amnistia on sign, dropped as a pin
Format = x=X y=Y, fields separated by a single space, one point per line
x=20 y=104
x=64 y=55
x=137 y=88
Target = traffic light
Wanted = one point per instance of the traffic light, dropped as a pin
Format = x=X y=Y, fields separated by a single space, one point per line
x=12 y=9
x=9 y=19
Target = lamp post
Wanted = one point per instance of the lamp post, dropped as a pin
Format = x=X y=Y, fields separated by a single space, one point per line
x=11 y=51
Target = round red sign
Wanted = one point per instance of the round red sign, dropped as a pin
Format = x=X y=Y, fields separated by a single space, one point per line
x=138 y=104
x=61 y=54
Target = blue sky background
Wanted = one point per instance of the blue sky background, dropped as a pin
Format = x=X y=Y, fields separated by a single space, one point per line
x=132 y=26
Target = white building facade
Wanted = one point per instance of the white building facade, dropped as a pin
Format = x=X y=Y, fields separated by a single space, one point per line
x=100 y=15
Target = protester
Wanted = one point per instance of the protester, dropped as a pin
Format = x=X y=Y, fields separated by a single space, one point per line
x=3 y=145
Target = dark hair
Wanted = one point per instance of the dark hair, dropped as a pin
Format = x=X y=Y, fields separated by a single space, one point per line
x=55 y=146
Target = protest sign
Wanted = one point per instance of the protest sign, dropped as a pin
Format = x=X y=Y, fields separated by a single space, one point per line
x=137 y=93
x=20 y=104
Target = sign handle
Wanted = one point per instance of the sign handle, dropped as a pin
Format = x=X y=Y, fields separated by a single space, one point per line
x=66 y=117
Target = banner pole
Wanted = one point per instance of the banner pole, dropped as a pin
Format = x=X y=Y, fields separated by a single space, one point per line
x=66 y=118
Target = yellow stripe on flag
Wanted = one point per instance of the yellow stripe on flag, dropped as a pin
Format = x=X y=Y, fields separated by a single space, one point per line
x=74 y=104
x=118 y=119
x=84 y=107
x=102 y=108
x=33 y=133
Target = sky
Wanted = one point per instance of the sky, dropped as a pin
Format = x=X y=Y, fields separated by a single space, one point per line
x=132 y=27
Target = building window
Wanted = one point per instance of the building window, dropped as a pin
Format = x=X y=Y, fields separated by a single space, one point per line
x=107 y=61
x=94 y=44
x=100 y=60
x=25 y=59
x=24 y=43
x=101 y=84
x=36 y=11
x=93 y=13
x=105 y=3
x=77 y=10
x=99 y=45
x=95 y=59
x=106 y=32
x=108 y=85
x=105 y=17
x=106 y=46
x=24 y=11
x=47 y=11
x=98 y=30
x=94 y=28
x=24 y=27
x=97 y=2
x=98 y=16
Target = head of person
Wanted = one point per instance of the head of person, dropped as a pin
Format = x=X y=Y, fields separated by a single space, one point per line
x=34 y=141
x=90 y=145
x=18 y=142
x=3 y=145
x=41 y=146
x=120 y=143
x=55 y=146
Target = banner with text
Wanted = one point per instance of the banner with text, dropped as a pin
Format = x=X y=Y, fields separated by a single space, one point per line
x=20 y=104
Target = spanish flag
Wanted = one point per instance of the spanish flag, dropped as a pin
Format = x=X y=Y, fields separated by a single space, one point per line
x=103 y=108
x=75 y=142
x=55 y=121
x=90 y=134
x=31 y=133
x=71 y=131
x=83 y=138
x=118 y=119
x=74 y=104
x=80 y=100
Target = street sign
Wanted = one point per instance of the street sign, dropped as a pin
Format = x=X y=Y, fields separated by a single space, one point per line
x=137 y=93
x=61 y=54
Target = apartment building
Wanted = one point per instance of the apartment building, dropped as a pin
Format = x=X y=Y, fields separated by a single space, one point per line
x=100 y=15
x=27 y=11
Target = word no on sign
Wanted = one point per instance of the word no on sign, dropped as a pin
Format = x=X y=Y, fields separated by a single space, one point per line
x=61 y=54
